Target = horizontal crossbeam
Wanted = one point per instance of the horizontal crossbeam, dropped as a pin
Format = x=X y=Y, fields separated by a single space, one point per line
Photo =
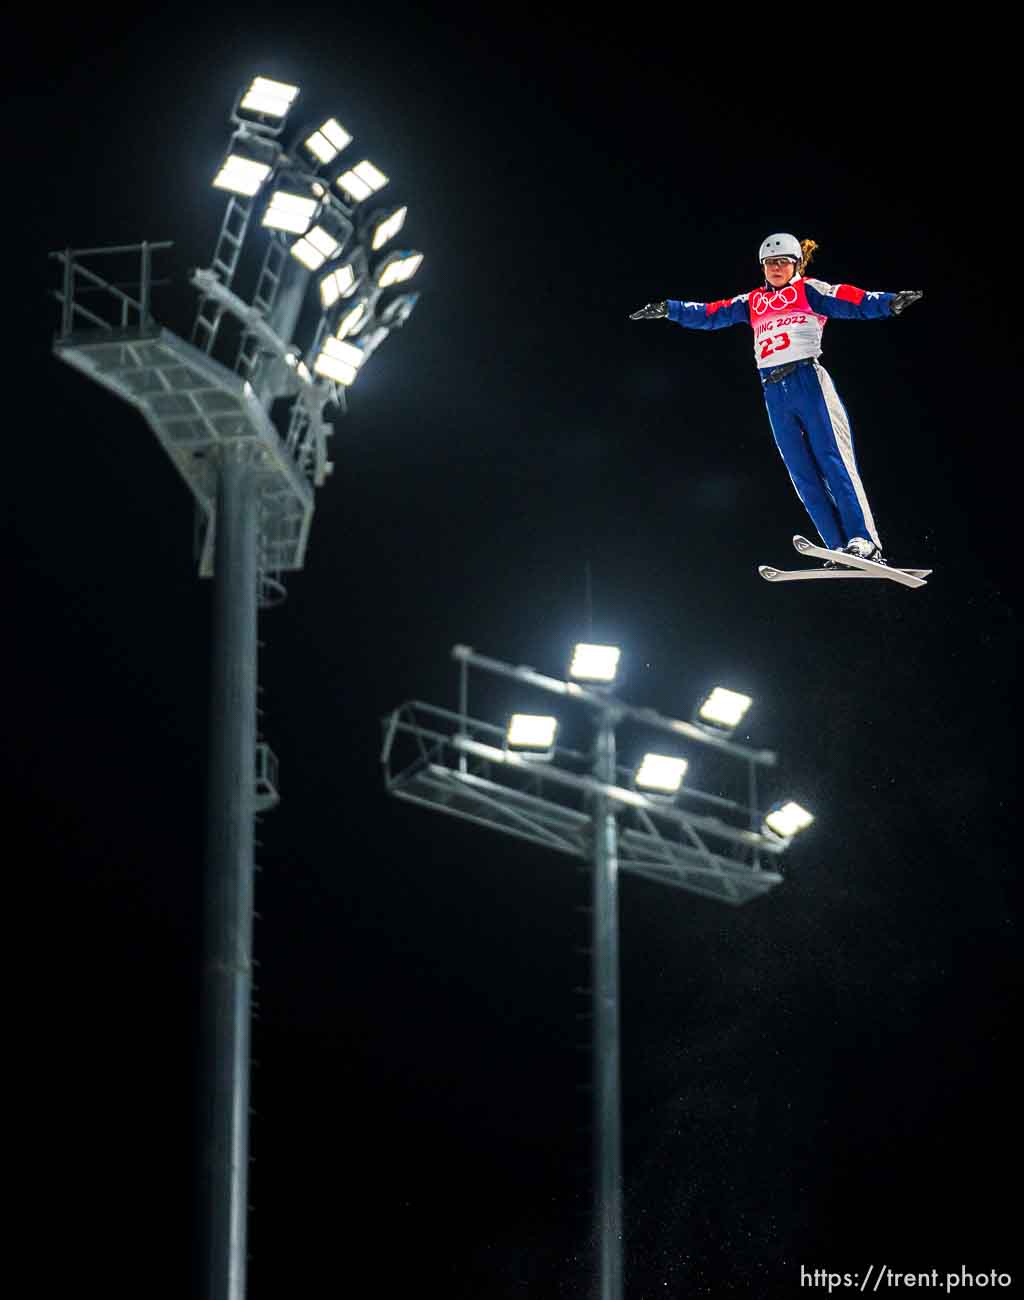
x=445 y=767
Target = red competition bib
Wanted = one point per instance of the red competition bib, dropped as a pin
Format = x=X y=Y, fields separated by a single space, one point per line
x=785 y=328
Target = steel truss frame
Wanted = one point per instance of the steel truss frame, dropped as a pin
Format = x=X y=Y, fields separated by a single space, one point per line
x=456 y=764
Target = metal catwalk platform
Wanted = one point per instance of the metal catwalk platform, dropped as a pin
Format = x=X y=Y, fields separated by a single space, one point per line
x=193 y=403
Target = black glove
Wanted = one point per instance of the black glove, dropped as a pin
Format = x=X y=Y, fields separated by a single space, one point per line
x=653 y=311
x=902 y=300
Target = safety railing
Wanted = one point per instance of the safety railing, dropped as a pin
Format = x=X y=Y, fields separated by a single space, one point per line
x=122 y=310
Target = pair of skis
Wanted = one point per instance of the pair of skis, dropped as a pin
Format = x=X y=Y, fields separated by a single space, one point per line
x=853 y=567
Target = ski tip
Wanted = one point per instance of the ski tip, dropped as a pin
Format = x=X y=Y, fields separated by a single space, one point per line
x=766 y=571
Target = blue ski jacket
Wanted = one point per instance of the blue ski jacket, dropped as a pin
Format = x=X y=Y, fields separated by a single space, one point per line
x=788 y=323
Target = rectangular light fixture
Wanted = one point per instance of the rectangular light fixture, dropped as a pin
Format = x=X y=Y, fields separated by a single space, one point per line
x=351 y=321
x=595 y=663
x=724 y=708
x=361 y=181
x=399 y=267
x=327 y=142
x=530 y=732
x=315 y=247
x=241 y=175
x=388 y=227
x=660 y=773
x=398 y=311
x=339 y=361
x=291 y=212
x=271 y=98
x=788 y=819
x=338 y=283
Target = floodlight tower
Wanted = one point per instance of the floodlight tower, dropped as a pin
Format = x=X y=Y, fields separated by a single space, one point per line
x=243 y=413
x=516 y=780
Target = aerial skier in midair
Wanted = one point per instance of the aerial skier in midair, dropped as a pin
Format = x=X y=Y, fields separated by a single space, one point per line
x=812 y=430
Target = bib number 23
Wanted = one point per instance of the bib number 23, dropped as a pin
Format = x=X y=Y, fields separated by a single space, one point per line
x=774 y=343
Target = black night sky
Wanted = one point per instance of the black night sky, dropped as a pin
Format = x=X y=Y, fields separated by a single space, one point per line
x=822 y=1078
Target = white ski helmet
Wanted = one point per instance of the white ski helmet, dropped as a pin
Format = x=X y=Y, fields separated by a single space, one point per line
x=781 y=246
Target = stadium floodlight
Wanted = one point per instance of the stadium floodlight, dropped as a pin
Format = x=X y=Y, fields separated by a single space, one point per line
x=241 y=175
x=724 y=708
x=646 y=821
x=362 y=180
x=291 y=212
x=339 y=283
x=788 y=818
x=594 y=663
x=398 y=267
x=398 y=311
x=386 y=226
x=328 y=141
x=531 y=735
x=315 y=248
x=352 y=319
x=339 y=360
x=660 y=773
x=270 y=98
x=259 y=386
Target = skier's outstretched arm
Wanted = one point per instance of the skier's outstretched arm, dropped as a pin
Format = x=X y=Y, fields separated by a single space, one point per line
x=847 y=302
x=697 y=315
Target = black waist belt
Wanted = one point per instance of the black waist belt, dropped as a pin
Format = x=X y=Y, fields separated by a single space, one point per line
x=780 y=372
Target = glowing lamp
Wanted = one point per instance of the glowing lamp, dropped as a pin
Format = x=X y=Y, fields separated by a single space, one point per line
x=387 y=227
x=362 y=180
x=315 y=248
x=787 y=819
x=660 y=773
x=328 y=141
x=339 y=361
x=398 y=267
x=530 y=733
x=338 y=283
x=724 y=708
x=241 y=175
x=291 y=212
x=594 y=663
x=270 y=98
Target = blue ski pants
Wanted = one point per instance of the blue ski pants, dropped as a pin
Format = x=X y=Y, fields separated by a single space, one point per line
x=813 y=434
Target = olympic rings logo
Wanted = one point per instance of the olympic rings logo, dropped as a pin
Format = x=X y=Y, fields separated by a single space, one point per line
x=778 y=301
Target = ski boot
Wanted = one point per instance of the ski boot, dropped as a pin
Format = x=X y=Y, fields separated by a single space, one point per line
x=864 y=550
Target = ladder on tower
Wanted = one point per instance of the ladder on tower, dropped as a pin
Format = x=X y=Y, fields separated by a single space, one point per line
x=297 y=441
x=263 y=301
x=306 y=440
x=225 y=263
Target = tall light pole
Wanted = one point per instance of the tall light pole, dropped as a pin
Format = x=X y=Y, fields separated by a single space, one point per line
x=242 y=412
x=515 y=779
x=607 y=1133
